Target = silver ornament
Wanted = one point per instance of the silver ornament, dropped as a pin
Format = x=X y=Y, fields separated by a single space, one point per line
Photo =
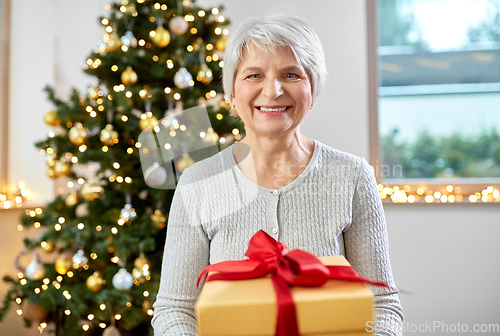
x=123 y=280
x=79 y=259
x=127 y=213
x=155 y=176
x=35 y=270
x=129 y=39
x=182 y=78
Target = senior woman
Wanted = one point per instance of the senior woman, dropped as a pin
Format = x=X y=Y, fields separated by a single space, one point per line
x=303 y=193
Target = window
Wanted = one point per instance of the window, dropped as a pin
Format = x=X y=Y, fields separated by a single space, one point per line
x=437 y=98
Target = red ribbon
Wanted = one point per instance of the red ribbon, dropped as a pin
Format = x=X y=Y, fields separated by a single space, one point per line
x=295 y=268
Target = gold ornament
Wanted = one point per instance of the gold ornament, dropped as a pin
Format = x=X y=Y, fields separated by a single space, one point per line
x=63 y=265
x=109 y=136
x=129 y=76
x=52 y=119
x=62 y=169
x=93 y=92
x=95 y=282
x=184 y=162
x=161 y=38
x=138 y=275
x=221 y=43
x=114 y=42
x=91 y=191
x=111 y=331
x=71 y=200
x=77 y=134
x=48 y=246
x=140 y=261
x=51 y=160
x=34 y=312
x=204 y=74
x=51 y=173
x=150 y=121
x=158 y=219
x=211 y=137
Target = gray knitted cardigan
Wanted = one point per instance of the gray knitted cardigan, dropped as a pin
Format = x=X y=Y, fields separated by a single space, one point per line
x=333 y=207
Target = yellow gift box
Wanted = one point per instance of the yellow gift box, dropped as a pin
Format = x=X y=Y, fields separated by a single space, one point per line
x=248 y=307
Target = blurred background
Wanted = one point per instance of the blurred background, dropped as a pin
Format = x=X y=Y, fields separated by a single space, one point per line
x=437 y=118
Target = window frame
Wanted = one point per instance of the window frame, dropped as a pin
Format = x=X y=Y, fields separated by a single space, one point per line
x=466 y=187
x=4 y=87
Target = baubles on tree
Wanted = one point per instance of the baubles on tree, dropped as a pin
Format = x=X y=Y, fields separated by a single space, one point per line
x=48 y=246
x=211 y=137
x=78 y=134
x=221 y=43
x=35 y=270
x=63 y=265
x=91 y=191
x=184 y=162
x=52 y=119
x=146 y=122
x=178 y=25
x=161 y=37
x=114 y=42
x=71 y=200
x=155 y=175
x=158 y=218
x=183 y=79
x=204 y=74
x=79 y=259
x=82 y=210
x=129 y=76
x=62 y=169
x=95 y=282
x=109 y=136
x=127 y=213
x=123 y=280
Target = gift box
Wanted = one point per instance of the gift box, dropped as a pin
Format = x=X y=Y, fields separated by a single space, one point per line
x=248 y=307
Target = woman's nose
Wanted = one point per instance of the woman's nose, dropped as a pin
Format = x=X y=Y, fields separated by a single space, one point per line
x=272 y=88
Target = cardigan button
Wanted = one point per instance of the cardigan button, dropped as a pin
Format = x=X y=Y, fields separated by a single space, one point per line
x=276 y=192
x=275 y=230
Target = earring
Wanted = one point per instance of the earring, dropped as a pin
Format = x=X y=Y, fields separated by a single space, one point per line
x=234 y=106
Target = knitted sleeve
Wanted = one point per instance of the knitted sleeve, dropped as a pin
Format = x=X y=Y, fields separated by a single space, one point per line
x=367 y=250
x=186 y=254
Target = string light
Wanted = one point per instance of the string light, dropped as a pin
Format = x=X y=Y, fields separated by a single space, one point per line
x=448 y=194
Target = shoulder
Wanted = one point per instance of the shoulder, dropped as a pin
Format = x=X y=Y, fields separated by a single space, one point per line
x=348 y=164
x=211 y=166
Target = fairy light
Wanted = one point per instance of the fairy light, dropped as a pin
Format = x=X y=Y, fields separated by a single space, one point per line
x=67 y=312
x=114 y=230
x=124 y=118
x=102 y=325
x=201 y=13
x=177 y=96
x=102 y=306
x=193 y=30
x=90 y=317
x=93 y=255
x=118 y=316
x=215 y=11
x=98 y=228
x=146 y=293
x=85 y=327
x=150 y=312
x=19 y=312
x=57 y=227
x=80 y=226
x=37 y=290
x=23 y=281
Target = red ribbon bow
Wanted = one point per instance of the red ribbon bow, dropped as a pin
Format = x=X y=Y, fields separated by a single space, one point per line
x=295 y=268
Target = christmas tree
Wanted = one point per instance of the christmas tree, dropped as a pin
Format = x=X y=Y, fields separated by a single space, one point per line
x=121 y=146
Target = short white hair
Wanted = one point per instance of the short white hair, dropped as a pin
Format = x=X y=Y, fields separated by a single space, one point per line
x=273 y=31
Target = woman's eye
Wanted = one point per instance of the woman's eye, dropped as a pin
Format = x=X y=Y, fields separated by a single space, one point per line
x=292 y=76
x=253 y=76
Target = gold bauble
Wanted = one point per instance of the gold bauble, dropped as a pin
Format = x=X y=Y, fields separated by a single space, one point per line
x=63 y=265
x=62 y=168
x=140 y=261
x=52 y=119
x=93 y=92
x=158 y=219
x=71 y=200
x=95 y=282
x=184 y=162
x=145 y=123
x=161 y=38
x=77 y=134
x=111 y=331
x=51 y=173
x=109 y=136
x=221 y=43
x=91 y=191
x=211 y=137
x=34 y=312
x=205 y=74
x=114 y=42
x=129 y=76
x=48 y=245
x=51 y=160
x=138 y=275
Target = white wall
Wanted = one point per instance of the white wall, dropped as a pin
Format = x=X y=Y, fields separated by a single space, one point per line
x=445 y=254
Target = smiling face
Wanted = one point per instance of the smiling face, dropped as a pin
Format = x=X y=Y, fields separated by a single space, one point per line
x=272 y=93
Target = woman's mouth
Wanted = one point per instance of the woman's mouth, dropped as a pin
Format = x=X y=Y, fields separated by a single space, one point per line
x=272 y=110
